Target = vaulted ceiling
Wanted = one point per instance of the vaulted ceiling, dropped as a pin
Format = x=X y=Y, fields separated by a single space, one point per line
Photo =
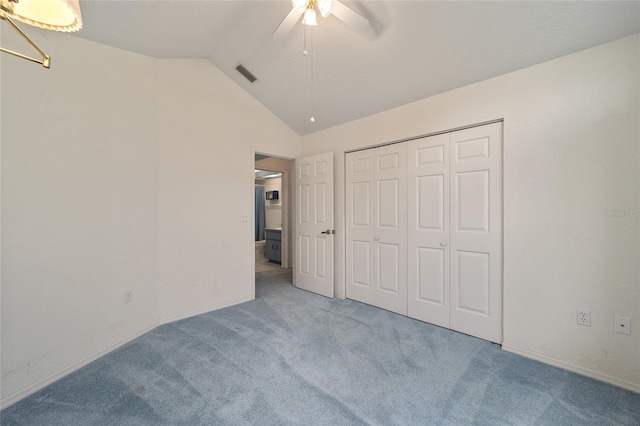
x=412 y=49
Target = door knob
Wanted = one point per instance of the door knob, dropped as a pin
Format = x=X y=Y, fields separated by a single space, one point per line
x=377 y=238
x=328 y=232
x=443 y=243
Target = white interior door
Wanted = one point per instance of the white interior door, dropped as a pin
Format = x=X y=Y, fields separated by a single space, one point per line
x=476 y=231
x=428 y=237
x=313 y=267
x=376 y=264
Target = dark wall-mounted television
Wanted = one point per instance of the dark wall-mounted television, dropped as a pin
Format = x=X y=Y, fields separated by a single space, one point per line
x=272 y=195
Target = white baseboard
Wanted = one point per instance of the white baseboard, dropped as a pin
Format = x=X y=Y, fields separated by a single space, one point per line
x=17 y=396
x=634 y=387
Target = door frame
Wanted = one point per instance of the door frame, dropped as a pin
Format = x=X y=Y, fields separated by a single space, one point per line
x=288 y=219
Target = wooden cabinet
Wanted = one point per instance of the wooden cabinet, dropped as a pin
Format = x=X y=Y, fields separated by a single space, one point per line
x=273 y=239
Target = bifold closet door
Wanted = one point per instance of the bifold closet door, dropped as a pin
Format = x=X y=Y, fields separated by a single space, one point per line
x=476 y=231
x=455 y=231
x=434 y=252
x=428 y=239
x=377 y=228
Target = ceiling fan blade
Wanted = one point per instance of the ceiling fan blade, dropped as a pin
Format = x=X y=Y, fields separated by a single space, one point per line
x=349 y=17
x=287 y=24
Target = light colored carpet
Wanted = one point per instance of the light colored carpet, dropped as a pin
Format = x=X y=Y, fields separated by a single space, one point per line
x=292 y=357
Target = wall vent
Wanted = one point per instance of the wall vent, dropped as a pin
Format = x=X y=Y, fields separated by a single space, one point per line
x=246 y=73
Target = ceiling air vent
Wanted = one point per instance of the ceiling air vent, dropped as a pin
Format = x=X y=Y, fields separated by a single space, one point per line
x=246 y=73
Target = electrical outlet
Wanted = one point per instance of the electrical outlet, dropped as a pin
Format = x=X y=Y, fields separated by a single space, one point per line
x=622 y=325
x=244 y=217
x=583 y=317
x=128 y=296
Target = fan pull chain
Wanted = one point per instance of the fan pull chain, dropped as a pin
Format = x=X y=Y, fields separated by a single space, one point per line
x=312 y=118
x=304 y=52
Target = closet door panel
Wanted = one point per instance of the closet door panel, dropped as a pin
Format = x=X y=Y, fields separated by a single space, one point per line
x=473 y=282
x=388 y=209
x=388 y=269
x=476 y=234
x=431 y=193
x=390 y=227
x=359 y=229
x=428 y=233
x=472 y=202
x=430 y=274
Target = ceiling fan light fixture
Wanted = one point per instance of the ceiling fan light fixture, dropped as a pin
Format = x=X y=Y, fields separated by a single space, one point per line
x=300 y=5
x=310 y=17
x=324 y=6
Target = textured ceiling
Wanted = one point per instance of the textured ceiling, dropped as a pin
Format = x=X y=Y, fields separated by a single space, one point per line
x=413 y=49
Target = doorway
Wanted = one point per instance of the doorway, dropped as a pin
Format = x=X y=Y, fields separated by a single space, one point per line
x=273 y=214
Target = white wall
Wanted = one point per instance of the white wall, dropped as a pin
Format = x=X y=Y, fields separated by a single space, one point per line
x=114 y=167
x=79 y=207
x=571 y=151
x=207 y=177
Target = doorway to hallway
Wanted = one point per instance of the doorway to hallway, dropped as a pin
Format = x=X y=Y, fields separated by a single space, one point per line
x=273 y=212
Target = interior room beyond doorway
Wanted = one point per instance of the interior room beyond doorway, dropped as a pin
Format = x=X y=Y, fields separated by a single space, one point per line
x=272 y=204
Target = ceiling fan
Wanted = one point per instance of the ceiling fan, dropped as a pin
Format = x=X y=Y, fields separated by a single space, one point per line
x=307 y=9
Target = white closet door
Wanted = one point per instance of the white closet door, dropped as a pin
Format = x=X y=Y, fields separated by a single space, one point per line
x=359 y=226
x=440 y=261
x=376 y=271
x=428 y=236
x=476 y=231
x=390 y=228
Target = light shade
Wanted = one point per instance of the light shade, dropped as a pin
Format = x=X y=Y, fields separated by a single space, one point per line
x=324 y=6
x=300 y=5
x=56 y=15
x=310 y=17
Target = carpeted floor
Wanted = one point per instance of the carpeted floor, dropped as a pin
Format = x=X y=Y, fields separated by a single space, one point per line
x=291 y=357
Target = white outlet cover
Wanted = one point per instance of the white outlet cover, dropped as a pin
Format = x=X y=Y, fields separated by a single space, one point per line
x=583 y=317
x=622 y=325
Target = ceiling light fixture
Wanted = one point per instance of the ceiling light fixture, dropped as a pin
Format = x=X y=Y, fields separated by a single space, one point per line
x=309 y=17
x=55 y=15
x=308 y=7
x=273 y=175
